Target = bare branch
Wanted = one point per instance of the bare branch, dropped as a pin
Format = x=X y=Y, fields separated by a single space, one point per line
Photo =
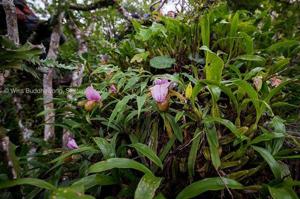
x=103 y=4
x=161 y=4
x=153 y=5
x=93 y=6
x=128 y=16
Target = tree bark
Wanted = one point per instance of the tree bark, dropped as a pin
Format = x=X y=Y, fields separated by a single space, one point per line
x=49 y=131
x=12 y=30
x=5 y=147
x=82 y=48
x=11 y=21
x=13 y=35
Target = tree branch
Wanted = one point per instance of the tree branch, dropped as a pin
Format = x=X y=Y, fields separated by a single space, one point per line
x=161 y=4
x=93 y=6
x=103 y=4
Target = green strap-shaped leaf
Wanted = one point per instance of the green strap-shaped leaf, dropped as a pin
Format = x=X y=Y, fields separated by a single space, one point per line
x=245 y=86
x=205 y=30
x=176 y=128
x=131 y=83
x=106 y=148
x=282 y=192
x=167 y=148
x=266 y=136
x=208 y=184
x=27 y=181
x=248 y=42
x=193 y=153
x=229 y=125
x=283 y=45
x=160 y=196
x=196 y=90
x=213 y=142
x=140 y=103
x=147 y=151
x=224 y=88
x=273 y=164
x=120 y=106
x=233 y=30
x=120 y=163
x=255 y=58
x=67 y=193
x=75 y=151
x=147 y=187
x=93 y=180
x=276 y=90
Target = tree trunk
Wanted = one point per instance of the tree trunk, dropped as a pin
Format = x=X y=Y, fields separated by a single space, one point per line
x=11 y=20
x=13 y=35
x=49 y=133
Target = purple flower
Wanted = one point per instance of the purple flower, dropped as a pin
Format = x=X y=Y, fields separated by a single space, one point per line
x=160 y=81
x=160 y=91
x=113 y=89
x=92 y=95
x=71 y=144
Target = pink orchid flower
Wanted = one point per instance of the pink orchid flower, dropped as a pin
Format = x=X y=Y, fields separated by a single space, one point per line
x=160 y=91
x=71 y=144
x=113 y=89
x=275 y=81
x=160 y=81
x=92 y=94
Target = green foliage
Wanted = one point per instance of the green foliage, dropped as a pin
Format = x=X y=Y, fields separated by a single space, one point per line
x=229 y=128
x=146 y=151
x=162 y=62
x=27 y=181
x=13 y=56
x=147 y=187
x=207 y=184
x=118 y=163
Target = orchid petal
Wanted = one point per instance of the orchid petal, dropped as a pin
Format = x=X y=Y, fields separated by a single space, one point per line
x=160 y=81
x=72 y=144
x=160 y=92
x=113 y=89
x=92 y=94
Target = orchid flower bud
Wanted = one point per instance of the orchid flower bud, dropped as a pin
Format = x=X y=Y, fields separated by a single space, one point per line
x=113 y=89
x=90 y=105
x=71 y=144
